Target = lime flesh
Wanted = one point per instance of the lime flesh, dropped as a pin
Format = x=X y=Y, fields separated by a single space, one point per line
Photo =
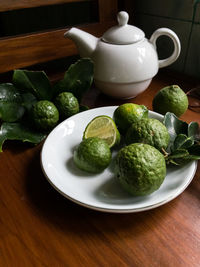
x=105 y=128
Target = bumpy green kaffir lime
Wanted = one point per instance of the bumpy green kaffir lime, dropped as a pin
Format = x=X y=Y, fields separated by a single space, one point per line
x=92 y=155
x=148 y=131
x=170 y=99
x=141 y=169
x=128 y=113
x=45 y=115
x=67 y=104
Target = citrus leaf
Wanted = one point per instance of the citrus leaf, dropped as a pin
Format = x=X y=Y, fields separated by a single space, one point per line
x=28 y=100
x=18 y=131
x=184 y=138
x=183 y=160
x=177 y=156
x=182 y=141
x=11 y=108
x=172 y=162
x=77 y=79
x=193 y=130
x=35 y=82
x=174 y=125
x=192 y=157
x=179 y=153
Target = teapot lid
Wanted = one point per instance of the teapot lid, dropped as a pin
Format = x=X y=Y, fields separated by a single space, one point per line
x=123 y=33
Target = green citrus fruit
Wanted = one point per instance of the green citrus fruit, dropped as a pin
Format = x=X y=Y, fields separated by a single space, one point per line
x=141 y=169
x=92 y=155
x=148 y=131
x=128 y=113
x=45 y=115
x=170 y=99
x=103 y=127
x=67 y=104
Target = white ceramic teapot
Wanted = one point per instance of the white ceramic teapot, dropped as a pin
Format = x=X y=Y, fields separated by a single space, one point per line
x=124 y=60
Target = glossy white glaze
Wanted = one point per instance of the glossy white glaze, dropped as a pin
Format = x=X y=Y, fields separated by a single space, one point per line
x=139 y=62
x=122 y=90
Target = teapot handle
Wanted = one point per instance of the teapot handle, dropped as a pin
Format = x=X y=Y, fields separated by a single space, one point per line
x=177 y=46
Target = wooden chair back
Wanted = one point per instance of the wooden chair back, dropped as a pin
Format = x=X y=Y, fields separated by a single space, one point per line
x=34 y=48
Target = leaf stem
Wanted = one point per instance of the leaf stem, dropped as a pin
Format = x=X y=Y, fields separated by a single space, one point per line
x=164 y=152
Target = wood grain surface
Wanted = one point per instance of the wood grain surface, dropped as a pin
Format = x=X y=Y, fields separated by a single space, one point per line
x=33 y=48
x=39 y=227
x=26 y=50
x=9 y=5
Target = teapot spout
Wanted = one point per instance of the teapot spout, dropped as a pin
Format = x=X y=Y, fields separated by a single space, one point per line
x=85 y=42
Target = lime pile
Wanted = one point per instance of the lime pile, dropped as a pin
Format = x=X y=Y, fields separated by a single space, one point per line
x=46 y=114
x=140 y=166
x=94 y=152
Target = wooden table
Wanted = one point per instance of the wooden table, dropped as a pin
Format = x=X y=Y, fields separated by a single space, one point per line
x=39 y=227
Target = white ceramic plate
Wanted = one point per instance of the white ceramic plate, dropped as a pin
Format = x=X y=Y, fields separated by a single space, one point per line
x=101 y=191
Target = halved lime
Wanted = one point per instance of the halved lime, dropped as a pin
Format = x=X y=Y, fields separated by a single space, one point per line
x=103 y=127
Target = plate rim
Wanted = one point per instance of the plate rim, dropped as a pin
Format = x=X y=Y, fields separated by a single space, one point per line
x=109 y=210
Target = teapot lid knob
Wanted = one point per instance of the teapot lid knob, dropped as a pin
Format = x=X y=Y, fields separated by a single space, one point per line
x=123 y=33
x=122 y=18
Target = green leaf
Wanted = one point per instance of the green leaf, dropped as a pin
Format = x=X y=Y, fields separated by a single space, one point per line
x=77 y=79
x=171 y=161
x=184 y=160
x=193 y=130
x=11 y=108
x=192 y=157
x=28 y=100
x=180 y=156
x=18 y=131
x=35 y=82
x=182 y=141
x=174 y=125
x=179 y=153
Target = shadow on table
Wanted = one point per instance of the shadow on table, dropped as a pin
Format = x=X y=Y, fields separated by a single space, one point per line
x=68 y=216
